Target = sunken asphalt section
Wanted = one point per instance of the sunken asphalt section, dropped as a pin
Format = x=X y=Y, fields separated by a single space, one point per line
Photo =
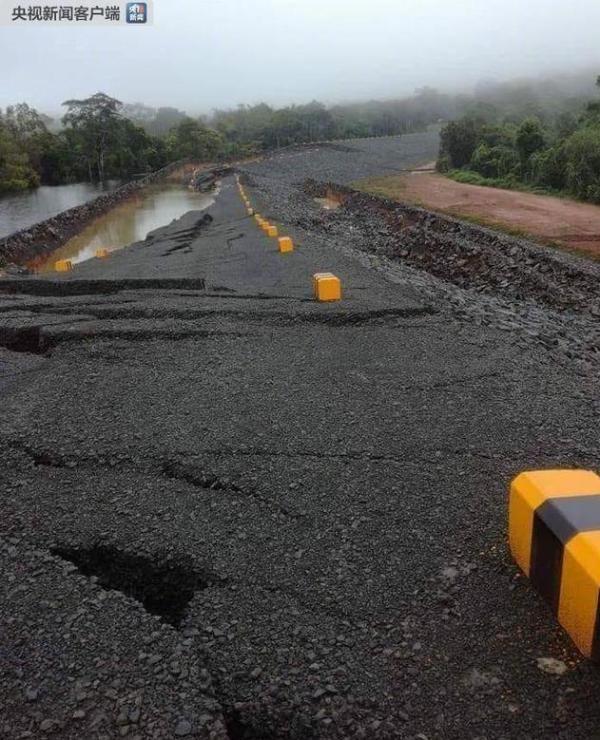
x=228 y=511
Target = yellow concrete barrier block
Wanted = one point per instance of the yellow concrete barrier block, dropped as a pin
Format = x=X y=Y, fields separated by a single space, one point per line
x=271 y=230
x=63 y=265
x=317 y=276
x=285 y=244
x=327 y=287
x=265 y=226
x=101 y=253
x=554 y=535
x=257 y=218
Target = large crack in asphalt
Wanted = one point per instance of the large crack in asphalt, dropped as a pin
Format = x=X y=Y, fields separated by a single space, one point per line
x=277 y=702
x=181 y=465
x=40 y=340
x=198 y=477
x=27 y=339
x=332 y=319
x=164 y=585
x=184 y=237
x=107 y=286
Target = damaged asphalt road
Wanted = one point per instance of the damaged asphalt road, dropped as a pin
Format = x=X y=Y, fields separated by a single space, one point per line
x=231 y=512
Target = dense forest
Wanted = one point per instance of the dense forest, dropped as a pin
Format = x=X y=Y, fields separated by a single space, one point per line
x=555 y=150
x=95 y=142
x=100 y=138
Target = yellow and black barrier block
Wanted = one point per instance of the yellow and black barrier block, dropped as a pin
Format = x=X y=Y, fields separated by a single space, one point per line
x=63 y=265
x=554 y=535
x=102 y=253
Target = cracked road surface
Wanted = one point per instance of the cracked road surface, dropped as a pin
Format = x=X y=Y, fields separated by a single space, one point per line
x=231 y=512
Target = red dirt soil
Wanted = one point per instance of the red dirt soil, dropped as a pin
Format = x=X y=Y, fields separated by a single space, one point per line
x=567 y=222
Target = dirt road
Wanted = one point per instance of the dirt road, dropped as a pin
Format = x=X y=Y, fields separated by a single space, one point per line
x=553 y=220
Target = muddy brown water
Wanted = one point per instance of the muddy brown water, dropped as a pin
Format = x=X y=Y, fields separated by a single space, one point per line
x=128 y=222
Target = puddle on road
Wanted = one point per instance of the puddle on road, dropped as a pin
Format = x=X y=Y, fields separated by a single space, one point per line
x=128 y=222
x=329 y=204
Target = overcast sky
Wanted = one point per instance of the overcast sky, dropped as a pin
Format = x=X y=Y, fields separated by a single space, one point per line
x=201 y=54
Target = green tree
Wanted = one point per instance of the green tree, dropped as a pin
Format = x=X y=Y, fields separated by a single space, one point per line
x=246 y=125
x=284 y=128
x=191 y=139
x=548 y=167
x=135 y=152
x=163 y=121
x=29 y=131
x=458 y=140
x=582 y=158
x=495 y=162
x=316 y=121
x=95 y=122
x=16 y=172
x=24 y=122
x=52 y=158
x=530 y=138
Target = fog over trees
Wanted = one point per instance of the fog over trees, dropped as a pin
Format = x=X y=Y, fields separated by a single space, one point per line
x=522 y=130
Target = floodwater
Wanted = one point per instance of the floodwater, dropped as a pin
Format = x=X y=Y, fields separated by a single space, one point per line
x=128 y=222
x=21 y=210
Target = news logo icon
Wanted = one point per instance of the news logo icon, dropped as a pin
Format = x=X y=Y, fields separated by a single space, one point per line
x=136 y=12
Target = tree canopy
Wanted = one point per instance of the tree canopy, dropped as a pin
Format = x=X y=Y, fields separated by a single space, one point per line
x=559 y=153
x=540 y=133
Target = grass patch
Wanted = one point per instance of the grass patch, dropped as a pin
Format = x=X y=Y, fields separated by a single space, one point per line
x=392 y=187
x=489 y=223
x=469 y=177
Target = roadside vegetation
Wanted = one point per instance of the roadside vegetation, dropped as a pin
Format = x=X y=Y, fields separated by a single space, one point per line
x=99 y=137
x=94 y=142
x=525 y=134
x=556 y=152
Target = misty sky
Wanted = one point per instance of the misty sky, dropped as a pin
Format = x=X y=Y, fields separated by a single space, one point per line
x=202 y=54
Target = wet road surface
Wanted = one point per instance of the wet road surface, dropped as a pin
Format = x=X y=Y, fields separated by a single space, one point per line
x=298 y=509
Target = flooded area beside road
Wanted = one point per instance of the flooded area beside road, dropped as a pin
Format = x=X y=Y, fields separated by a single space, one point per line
x=22 y=210
x=130 y=221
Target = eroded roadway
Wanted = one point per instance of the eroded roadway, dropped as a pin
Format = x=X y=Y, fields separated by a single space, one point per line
x=323 y=486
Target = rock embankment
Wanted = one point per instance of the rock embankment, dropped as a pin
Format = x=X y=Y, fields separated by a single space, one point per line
x=469 y=256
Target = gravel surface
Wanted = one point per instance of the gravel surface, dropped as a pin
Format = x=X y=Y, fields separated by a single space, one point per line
x=232 y=512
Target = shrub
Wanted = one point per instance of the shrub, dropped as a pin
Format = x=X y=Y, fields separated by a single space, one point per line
x=458 y=140
x=582 y=156
x=530 y=137
x=548 y=167
x=497 y=161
